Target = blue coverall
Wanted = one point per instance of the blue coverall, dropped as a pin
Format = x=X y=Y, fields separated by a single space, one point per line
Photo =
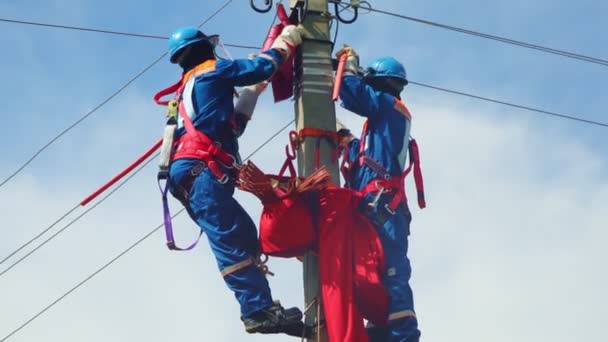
x=231 y=233
x=387 y=143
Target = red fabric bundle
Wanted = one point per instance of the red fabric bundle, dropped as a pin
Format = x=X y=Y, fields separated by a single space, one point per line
x=351 y=260
x=287 y=227
x=282 y=81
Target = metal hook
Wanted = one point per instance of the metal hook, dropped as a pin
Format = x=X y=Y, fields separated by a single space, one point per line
x=293 y=143
x=338 y=15
x=266 y=9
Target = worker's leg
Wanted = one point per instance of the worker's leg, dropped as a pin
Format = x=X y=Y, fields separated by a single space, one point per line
x=402 y=324
x=233 y=239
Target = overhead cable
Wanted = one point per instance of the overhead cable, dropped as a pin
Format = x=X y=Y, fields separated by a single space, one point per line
x=121 y=254
x=81 y=119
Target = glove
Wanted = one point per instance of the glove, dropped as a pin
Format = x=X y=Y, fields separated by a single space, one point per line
x=349 y=51
x=288 y=40
x=352 y=59
x=248 y=98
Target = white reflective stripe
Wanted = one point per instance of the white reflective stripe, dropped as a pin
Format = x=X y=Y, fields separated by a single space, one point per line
x=401 y=314
x=236 y=267
x=188 y=92
x=402 y=156
x=187 y=101
x=269 y=57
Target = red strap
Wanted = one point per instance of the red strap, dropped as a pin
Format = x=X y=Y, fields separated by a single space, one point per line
x=346 y=165
x=168 y=91
x=290 y=153
x=415 y=156
x=363 y=138
x=282 y=15
x=212 y=153
x=318 y=133
x=397 y=183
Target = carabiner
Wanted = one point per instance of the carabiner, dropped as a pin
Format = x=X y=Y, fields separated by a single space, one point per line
x=293 y=144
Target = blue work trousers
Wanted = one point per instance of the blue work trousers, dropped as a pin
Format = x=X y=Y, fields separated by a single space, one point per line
x=230 y=231
x=402 y=324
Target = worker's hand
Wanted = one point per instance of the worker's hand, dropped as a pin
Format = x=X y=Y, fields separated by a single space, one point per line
x=344 y=134
x=256 y=88
x=288 y=40
x=352 y=59
x=346 y=50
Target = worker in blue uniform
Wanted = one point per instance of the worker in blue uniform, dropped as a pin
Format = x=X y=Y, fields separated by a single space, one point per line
x=377 y=158
x=206 y=96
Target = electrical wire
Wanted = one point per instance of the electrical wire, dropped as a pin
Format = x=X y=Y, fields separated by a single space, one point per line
x=74 y=220
x=121 y=254
x=545 y=49
x=39 y=234
x=541 y=111
x=129 y=34
x=80 y=120
x=72 y=210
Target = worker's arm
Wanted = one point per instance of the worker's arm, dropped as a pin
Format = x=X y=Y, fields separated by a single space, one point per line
x=356 y=95
x=243 y=72
x=245 y=105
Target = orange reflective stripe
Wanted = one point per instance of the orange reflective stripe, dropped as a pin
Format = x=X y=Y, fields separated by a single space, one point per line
x=203 y=68
x=402 y=108
x=401 y=314
x=236 y=267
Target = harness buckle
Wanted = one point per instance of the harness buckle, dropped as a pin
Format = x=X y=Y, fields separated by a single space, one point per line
x=224 y=179
x=236 y=163
x=389 y=210
x=381 y=190
x=163 y=174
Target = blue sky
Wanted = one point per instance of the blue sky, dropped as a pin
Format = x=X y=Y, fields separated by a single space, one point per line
x=509 y=248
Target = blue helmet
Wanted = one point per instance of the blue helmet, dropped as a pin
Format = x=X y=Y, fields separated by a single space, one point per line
x=183 y=37
x=387 y=67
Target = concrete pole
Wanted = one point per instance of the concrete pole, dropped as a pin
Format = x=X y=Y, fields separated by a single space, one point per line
x=315 y=108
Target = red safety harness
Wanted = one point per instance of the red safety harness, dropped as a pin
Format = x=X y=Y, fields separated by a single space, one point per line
x=387 y=184
x=192 y=144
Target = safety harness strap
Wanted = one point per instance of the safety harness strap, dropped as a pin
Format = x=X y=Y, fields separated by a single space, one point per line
x=319 y=134
x=168 y=223
x=388 y=183
x=210 y=153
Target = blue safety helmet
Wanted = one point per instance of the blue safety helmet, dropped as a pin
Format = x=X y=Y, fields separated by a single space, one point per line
x=185 y=36
x=386 y=67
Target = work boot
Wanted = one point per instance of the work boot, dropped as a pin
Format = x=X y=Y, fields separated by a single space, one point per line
x=275 y=320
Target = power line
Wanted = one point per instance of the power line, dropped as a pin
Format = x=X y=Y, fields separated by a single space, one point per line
x=77 y=206
x=541 y=111
x=39 y=235
x=80 y=28
x=85 y=280
x=94 y=206
x=523 y=44
x=73 y=221
x=53 y=140
x=121 y=254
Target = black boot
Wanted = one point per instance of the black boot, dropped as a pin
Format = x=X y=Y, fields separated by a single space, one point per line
x=275 y=320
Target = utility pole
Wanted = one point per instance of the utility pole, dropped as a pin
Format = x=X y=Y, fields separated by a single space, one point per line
x=315 y=108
